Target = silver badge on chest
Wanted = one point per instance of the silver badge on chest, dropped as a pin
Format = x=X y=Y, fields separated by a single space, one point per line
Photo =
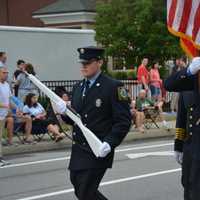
x=98 y=103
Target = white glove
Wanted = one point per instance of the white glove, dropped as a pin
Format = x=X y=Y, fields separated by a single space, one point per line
x=194 y=66
x=61 y=107
x=179 y=157
x=104 y=150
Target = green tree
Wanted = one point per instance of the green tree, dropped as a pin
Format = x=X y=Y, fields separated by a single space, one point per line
x=133 y=29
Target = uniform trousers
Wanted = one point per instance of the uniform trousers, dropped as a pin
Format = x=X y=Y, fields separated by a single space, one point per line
x=86 y=183
x=190 y=174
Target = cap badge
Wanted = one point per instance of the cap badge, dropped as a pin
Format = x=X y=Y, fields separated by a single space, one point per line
x=82 y=51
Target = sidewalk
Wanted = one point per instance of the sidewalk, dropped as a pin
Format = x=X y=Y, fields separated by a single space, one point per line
x=48 y=145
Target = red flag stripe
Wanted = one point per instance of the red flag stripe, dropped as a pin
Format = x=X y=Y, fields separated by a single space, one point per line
x=198 y=40
x=188 y=47
x=196 y=24
x=185 y=16
x=172 y=12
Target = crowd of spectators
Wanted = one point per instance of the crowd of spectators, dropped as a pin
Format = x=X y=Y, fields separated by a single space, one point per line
x=151 y=94
x=20 y=104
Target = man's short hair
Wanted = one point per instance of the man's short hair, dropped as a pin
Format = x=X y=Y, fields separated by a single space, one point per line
x=19 y=62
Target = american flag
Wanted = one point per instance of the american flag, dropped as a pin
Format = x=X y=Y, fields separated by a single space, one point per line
x=183 y=20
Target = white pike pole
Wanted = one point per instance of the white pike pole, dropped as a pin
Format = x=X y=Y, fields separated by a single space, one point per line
x=91 y=138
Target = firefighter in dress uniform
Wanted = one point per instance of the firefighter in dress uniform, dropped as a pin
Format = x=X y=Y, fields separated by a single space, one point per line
x=103 y=105
x=187 y=80
x=182 y=143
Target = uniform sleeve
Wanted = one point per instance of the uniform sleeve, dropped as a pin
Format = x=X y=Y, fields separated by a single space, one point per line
x=121 y=116
x=179 y=81
x=181 y=122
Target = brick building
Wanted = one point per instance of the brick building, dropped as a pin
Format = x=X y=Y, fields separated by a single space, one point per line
x=48 y=13
x=19 y=12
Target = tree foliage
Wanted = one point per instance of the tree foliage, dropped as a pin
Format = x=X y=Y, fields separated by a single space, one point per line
x=133 y=29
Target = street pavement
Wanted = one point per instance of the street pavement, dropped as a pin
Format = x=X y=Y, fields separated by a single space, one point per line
x=142 y=170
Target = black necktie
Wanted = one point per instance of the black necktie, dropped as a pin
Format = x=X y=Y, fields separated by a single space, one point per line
x=86 y=87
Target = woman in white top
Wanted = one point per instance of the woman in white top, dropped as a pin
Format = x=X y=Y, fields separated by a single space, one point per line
x=39 y=117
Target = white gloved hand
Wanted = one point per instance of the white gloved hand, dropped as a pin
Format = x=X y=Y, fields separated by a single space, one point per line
x=61 y=107
x=194 y=66
x=104 y=150
x=179 y=157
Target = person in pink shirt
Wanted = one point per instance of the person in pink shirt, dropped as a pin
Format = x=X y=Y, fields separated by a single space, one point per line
x=155 y=81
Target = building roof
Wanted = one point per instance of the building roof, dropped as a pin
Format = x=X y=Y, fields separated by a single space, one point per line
x=68 y=6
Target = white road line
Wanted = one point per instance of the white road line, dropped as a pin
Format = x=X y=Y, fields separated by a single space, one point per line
x=103 y=184
x=124 y=146
x=67 y=158
x=157 y=153
x=144 y=147
x=36 y=162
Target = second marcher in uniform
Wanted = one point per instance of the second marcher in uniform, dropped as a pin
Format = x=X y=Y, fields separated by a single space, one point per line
x=187 y=80
x=182 y=144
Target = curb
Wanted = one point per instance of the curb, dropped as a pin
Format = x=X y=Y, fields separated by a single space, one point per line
x=48 y=145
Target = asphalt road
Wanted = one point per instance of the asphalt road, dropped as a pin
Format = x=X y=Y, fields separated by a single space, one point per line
x=143 y=170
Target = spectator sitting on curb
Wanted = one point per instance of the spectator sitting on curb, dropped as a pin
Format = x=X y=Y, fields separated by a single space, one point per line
x=55 y=115
x=16 y=116
x=143 y=103
x=61 y=92
x=39 y=117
